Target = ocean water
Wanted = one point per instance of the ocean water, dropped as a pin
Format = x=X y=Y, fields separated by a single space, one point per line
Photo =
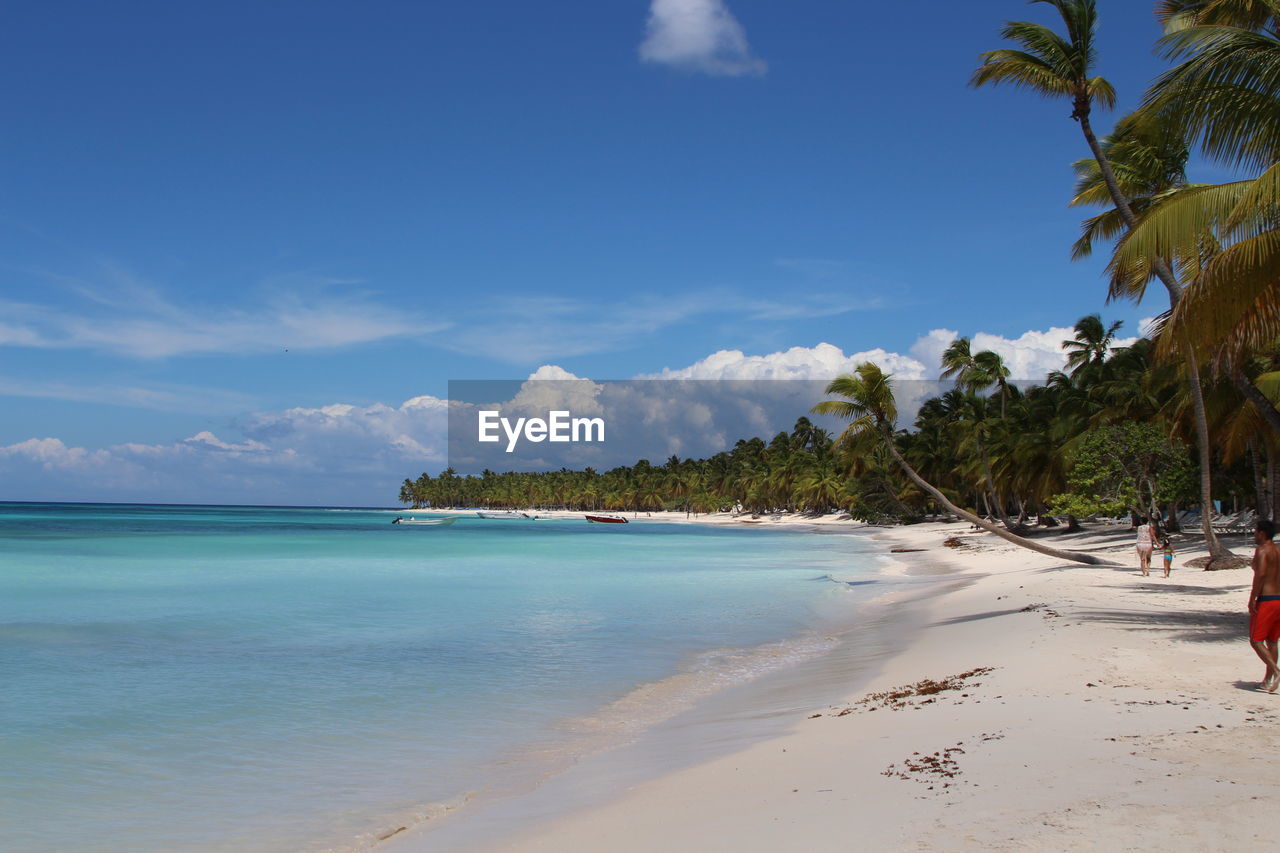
x=267 y=679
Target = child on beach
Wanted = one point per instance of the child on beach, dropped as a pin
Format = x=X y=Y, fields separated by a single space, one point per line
x=1167 y=546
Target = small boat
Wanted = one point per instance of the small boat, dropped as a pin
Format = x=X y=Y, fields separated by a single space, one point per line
x=434 y=522
x=506 y=516
x=607 y=519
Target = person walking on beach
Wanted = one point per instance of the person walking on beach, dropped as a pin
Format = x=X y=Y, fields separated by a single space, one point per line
x=1168 y=555
x=1264 y=602
x=1146 y=544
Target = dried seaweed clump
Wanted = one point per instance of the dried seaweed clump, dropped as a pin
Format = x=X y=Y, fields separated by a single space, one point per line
x=903 y=697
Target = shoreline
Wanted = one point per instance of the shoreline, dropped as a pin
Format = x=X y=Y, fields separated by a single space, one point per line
x=1096 y=700
x=745 y=712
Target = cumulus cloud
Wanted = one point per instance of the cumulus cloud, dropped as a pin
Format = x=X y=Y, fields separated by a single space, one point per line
x=552 y=371
x=50 y=454
x=344 y=454
x=698 y=35
x=335 y=455
x=823 y=361
x=366 y=437
x=1031 y=356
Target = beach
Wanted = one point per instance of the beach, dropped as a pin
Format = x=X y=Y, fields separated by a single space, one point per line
x=1038 y=706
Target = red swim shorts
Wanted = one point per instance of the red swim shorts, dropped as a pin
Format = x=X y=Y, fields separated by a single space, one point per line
x=1265 y=624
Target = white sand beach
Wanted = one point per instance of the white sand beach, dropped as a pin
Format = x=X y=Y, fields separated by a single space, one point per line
x=1071 y=707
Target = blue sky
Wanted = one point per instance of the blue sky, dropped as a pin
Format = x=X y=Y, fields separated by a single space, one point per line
x=238 y=238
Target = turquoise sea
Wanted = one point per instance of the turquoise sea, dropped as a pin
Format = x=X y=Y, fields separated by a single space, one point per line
x=269 y=679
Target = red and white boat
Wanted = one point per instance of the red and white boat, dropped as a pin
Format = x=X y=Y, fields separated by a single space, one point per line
x=607 y=519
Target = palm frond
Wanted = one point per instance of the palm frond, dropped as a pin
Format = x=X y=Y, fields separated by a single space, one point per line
x=1020 y=69
x=1250 y=14
x=1224 y=95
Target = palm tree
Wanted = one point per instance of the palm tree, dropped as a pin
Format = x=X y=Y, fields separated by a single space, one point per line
x=1091 y=344
x=977 y=372
x=1056 y=67
x=868 y=404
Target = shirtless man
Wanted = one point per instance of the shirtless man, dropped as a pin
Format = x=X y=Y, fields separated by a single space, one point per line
x=1264 y=602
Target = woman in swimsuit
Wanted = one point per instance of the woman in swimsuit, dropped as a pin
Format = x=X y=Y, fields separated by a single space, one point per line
x=1146 y=544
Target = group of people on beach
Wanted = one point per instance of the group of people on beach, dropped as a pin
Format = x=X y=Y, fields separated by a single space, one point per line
x=1149 y=534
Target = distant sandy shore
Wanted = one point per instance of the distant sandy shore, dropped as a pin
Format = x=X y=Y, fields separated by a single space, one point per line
x=832 y=520
x=1069 y=707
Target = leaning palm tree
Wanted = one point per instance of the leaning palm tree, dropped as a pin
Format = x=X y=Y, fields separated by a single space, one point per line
x=1057 y=67
x=869 y=406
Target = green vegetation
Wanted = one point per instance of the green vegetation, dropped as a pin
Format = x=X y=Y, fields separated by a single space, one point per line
x=1121 y=468
x=986 y=446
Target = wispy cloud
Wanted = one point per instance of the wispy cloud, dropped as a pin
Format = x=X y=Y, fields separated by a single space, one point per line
x=162 y=398
x=698 y=35
x=527 y=330
x=129 y=318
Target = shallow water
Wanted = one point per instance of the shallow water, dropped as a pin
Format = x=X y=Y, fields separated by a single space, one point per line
x=230 y=678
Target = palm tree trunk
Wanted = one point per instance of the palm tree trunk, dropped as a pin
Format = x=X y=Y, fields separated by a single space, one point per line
x=1073 y=556
x=1216 y=549
x=1259 y=479
x=1273 y=471
x=1166 y=275
x=993 y=501
x=1081 y=114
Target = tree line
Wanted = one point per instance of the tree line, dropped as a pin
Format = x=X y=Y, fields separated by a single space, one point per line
x=1110 y=434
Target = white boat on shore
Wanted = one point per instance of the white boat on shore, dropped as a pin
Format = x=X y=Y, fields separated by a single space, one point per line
x=504 y=516
x=426 y=522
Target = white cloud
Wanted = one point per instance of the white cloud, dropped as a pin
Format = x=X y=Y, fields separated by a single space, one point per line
x=206 y=440
x=51 y=454
x=336 y=455
x=165 y=397
x=138 y=321
x=552 y=371
x=368 y=437
x=823 y=361
x=1032 y=355
x=525 y=330
x=343 y=454
x=698 y=35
